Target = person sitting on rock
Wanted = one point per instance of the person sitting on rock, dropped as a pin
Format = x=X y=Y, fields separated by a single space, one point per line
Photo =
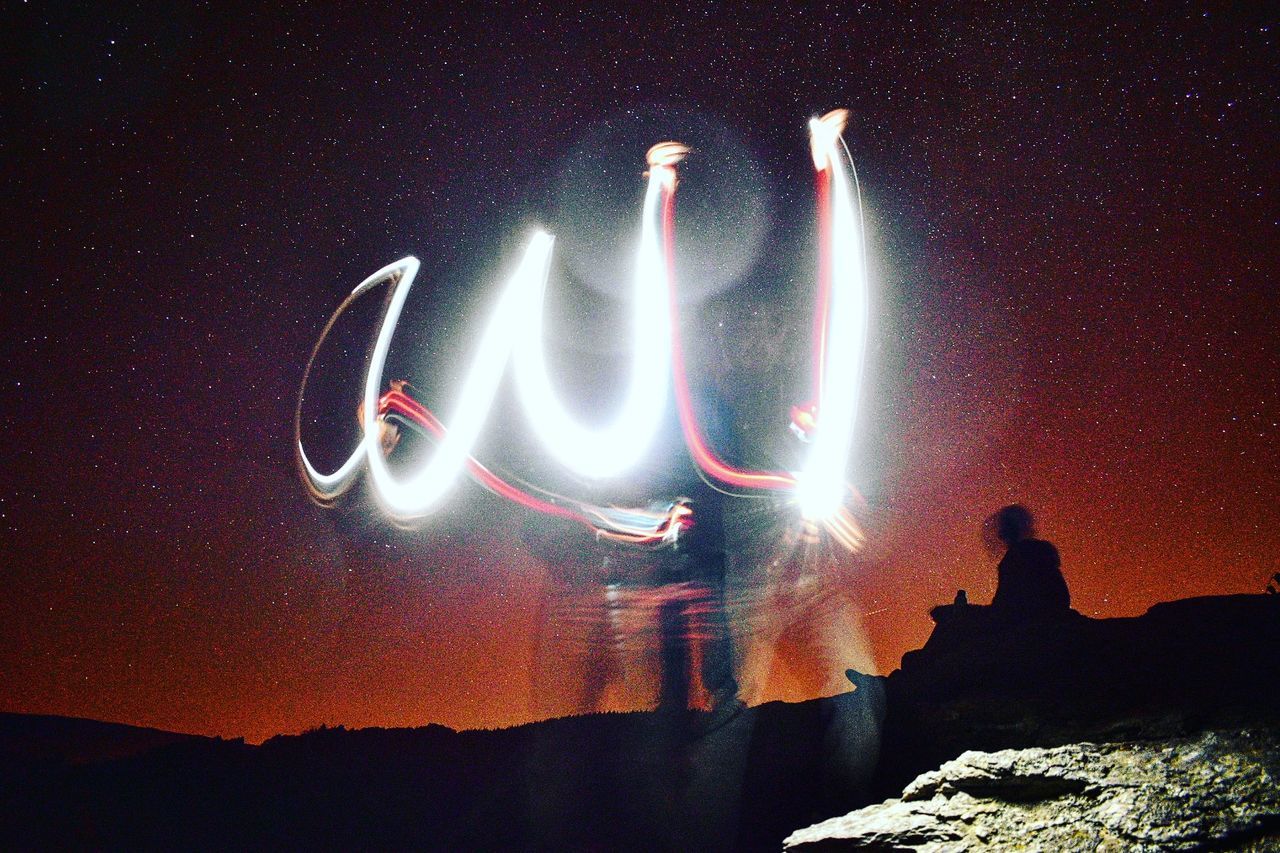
x=1030 y=583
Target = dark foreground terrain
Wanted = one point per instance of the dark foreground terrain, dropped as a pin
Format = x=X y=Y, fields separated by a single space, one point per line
x=1155 y=733
x=642 y=781
x=653 y=781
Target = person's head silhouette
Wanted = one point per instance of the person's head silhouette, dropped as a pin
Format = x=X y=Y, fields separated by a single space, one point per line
x=1008 y=526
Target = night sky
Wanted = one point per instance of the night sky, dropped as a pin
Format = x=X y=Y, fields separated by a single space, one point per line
x=1072 y=221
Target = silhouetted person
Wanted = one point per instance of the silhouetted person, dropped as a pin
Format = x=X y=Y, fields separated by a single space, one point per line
x=1030 y=583
x=695 y=615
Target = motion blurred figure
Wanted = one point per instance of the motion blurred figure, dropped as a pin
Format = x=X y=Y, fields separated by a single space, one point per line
x=1030 y=583
x=693 y=623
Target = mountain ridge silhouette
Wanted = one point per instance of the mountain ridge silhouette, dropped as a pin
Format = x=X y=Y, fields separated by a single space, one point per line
x=656 y=780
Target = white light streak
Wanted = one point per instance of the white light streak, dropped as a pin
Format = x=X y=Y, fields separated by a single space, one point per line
x=515 y=333
x=821 y=489
x=610 y=451
x=514 y=336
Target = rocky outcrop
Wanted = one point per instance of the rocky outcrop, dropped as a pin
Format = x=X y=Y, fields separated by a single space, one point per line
x=1183 y=667
x=1217 y=791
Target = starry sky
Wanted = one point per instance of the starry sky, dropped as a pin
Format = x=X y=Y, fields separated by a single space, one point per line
x=1072 y=222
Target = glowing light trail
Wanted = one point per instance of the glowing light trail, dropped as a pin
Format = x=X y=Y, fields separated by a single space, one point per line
x=844 y=314
x=514 y=334
x=633 y=526
x=840 y=331
x=611 y=451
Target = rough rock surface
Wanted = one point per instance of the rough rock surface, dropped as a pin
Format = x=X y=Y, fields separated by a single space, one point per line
x=1183 y=667
x=1217 y=791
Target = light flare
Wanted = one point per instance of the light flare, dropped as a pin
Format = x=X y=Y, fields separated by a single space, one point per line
x=840 y=336
x=514 y=334
x=629 y=525
x=844 y=297
x=607 y=452
x=514 y=337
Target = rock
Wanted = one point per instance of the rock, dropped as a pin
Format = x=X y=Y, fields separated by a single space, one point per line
x=1215 y=791
x=1182 y=668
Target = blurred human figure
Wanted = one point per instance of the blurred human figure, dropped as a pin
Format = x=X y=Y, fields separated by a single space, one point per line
x=693 y=622
x=1030 y=583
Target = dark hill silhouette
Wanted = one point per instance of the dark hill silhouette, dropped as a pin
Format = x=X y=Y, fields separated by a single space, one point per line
x=655 y=781
x=641 y=781
x=76 y=740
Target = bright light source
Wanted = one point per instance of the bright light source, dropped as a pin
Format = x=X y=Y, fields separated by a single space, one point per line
x=515 y=334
